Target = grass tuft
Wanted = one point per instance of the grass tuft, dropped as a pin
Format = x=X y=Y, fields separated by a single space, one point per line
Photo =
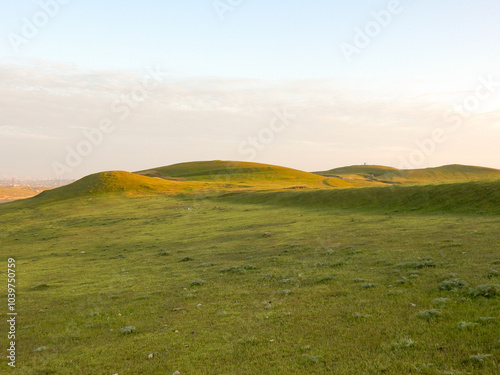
x=40 y=287
x=440 y=301
x=127 y=330
x=493 y=273
x=429 y=314
x=466 y=325
x=418 y=264
x=197 y=283
x=403 y=343
x=453 y=284
x=485 y=290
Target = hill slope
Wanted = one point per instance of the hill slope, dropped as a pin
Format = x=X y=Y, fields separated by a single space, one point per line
x=446 y=173
x=113 y=182
x=225 y=176
x=460 y=197
x=360 y=170
x=454 y=172
x=243 y=174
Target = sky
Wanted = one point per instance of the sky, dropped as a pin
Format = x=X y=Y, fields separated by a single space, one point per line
x=88 y=86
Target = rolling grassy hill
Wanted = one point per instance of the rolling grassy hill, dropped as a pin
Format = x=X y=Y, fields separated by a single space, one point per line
x=116 y=182
x=442 y=174
x=359 y=170
x=220 y=177
x=479 y=197
x=447 y=173
x=190 y=178
x=243 y=175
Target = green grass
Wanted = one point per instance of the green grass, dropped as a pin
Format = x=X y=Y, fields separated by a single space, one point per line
x=347 y=282
x=195 y=268
x=447 y=173
x=115 y=181
x=361 y=170
x=474 y=197
x=231 y=174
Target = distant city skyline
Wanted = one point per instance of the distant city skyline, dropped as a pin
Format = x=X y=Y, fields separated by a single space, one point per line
x=122 y=85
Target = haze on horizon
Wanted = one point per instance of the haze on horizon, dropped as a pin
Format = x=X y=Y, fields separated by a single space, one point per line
x=122 y=85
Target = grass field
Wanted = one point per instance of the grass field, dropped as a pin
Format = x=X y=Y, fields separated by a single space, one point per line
x=401 y=280
x=381 y=174
x=244 y=175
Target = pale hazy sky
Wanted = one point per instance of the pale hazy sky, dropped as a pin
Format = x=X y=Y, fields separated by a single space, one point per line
x=87 y=86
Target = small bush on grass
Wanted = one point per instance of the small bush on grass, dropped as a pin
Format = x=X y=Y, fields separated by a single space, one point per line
x=485 y=290
x=424 y=263
x=453 y=284
x=429 y=314
x=197 y=283
x=127 y=330
x=466 y=325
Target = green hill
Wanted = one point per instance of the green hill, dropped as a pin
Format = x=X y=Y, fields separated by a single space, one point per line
x=454 y=172
x=459 y=197
x=191 y=177
x=447 y=173
x=228 y=176
x=360 y=170
x=112 y=182
x=243 y=175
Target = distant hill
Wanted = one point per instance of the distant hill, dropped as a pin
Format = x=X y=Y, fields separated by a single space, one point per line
x=192 y=177
x=361 y=170
x=228 y=176
x=447 y=173
x=243 y=174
